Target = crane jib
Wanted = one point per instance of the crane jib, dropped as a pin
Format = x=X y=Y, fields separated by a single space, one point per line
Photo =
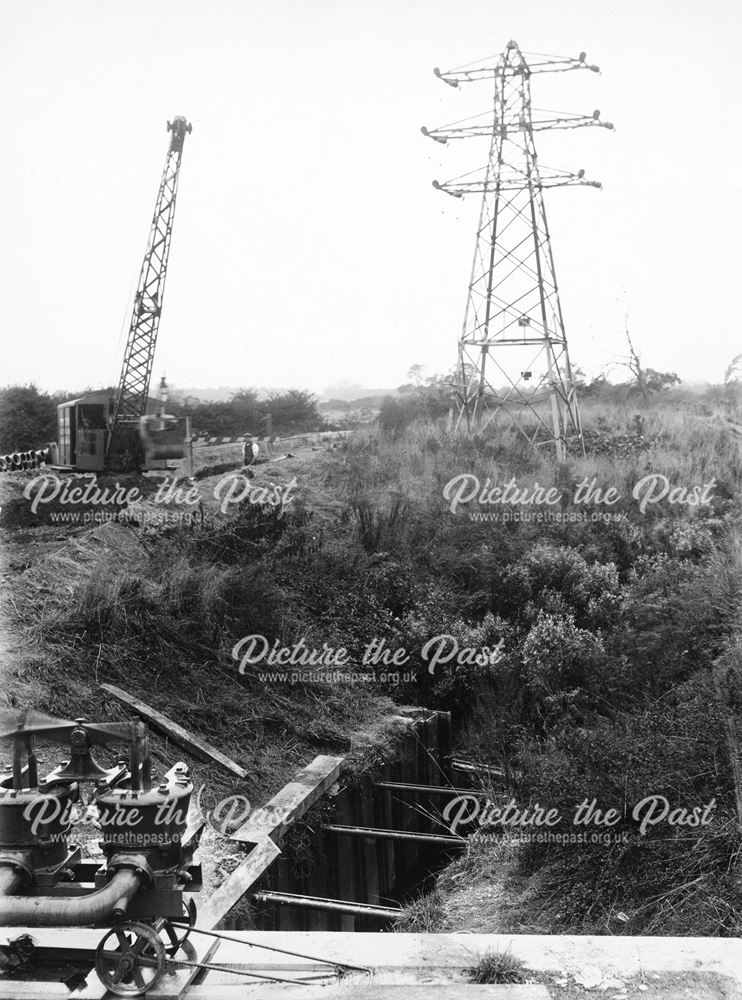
x=132 y=393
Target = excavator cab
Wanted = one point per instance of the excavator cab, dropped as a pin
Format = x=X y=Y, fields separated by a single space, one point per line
x=88 y=441
x=83 y=431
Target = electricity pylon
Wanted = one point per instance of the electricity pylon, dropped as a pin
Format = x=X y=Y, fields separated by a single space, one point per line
x=513 y=299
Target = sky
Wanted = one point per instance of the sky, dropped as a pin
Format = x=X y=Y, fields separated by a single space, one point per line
x=309 y=245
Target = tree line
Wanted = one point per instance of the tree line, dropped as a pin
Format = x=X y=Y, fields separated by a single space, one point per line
x=28 y=415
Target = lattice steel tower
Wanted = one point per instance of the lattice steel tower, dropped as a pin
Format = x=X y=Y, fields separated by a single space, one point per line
x=513 y=366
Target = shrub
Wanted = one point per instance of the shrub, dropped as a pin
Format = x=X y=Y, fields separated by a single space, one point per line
x=561 y=659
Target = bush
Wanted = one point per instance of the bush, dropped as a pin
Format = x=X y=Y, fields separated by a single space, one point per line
x=28 y=418
x=292 y=412
x=591 y=592
x=563 y=665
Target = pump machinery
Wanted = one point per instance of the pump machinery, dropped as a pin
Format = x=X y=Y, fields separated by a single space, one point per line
x=147 y=864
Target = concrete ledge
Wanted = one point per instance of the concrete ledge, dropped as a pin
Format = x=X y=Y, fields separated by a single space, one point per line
x=540 y=952
x=421 y=954
x=376 y=991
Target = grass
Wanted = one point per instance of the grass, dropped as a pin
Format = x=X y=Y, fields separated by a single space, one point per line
x=165 y=631
x=498 y=967
x=421 y=916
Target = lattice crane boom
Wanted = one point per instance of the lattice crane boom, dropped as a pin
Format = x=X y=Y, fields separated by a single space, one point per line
x=133 y=388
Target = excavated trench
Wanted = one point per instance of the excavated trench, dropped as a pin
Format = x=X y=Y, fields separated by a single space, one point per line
x=372 y=843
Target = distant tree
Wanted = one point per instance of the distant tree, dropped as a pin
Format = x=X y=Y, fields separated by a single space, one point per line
x=634 y=365
x=461 y=373
x=28 y=418
x=657 y=381
x=395 y=414
x=293 y=412
x=646 y=381
x=215 y=420
x=733 y=380
x=415 y=374
x=597 y=386
x=248 y=413
x=734 y=370
x=446 y=381
x=430 y=399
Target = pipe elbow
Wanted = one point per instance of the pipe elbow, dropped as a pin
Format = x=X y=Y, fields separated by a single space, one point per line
x=11 y=879
x=72 y=911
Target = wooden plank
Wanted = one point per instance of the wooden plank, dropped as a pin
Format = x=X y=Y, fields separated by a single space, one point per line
x=274 y=818
x=346 y=863
x=406 y=817
x=385 y=848
x=237 y=884
x=196 y=747
x=369 y=848
x=445 y=741
x=420 y=772
x=14 y=989
x=434 y=770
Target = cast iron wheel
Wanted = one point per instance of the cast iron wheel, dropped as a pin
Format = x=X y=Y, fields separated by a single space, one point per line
x=130 y=959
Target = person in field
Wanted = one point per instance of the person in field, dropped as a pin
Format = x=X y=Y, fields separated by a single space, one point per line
x=250 y=450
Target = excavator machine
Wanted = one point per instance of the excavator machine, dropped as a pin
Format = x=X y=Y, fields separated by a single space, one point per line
x=127 y=430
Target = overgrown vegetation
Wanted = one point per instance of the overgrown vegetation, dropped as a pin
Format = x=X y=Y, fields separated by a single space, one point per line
x=613 y=643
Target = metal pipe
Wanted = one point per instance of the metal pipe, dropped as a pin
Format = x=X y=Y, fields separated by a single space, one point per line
x=474 y=766
x=71 y=911
x=332 y=905
x=404 y=786
x=367 y=831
